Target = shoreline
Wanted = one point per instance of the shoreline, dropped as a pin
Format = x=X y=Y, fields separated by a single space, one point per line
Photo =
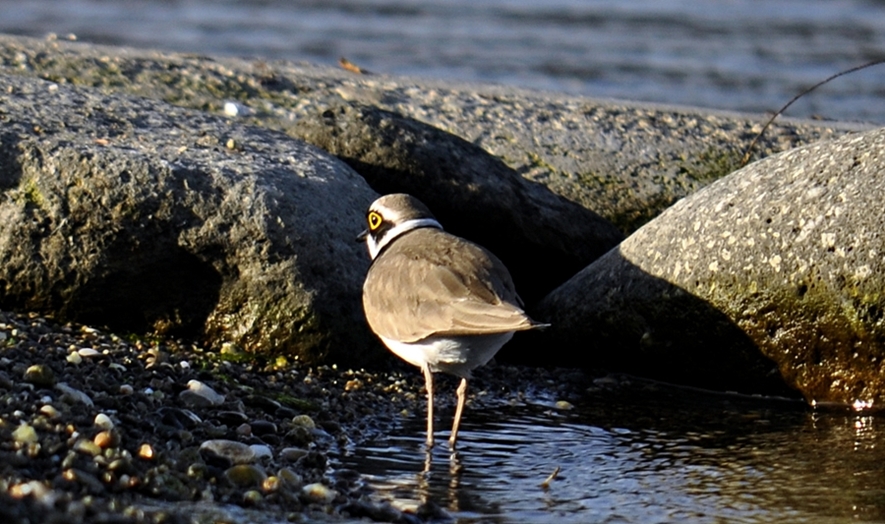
x=111 y=429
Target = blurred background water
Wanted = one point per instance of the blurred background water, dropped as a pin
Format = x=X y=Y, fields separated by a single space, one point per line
x=747 y=55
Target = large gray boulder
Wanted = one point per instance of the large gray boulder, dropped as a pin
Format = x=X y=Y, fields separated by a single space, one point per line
x=141 y=216
x=771 y=277
x=541 y=237
x=625 y=161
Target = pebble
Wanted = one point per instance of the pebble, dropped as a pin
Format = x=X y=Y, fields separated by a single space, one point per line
x=179 y=418
x=106 y=439
x=74 y=358
x=289 y=478
x=252 y=498
x=245 y=475
x=200 y=395
x=292 y=454
x=304 y=421
x=126 y=389
x=73 y=395
x=88 y=352
x=87 y=447
x=49 y=411
x=146 y=452
x=262 y=451
x=25 y=434
x=103 y=421
x=318 y=493
x=227 y=450
x=39 y=375
x=263 y=427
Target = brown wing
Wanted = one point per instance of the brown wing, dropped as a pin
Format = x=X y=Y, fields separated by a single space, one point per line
x=429 y=282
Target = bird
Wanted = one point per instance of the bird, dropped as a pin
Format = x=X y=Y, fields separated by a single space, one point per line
x=436 y=300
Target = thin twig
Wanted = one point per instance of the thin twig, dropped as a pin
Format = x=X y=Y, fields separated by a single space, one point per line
x=546 y=483
x=749 y=150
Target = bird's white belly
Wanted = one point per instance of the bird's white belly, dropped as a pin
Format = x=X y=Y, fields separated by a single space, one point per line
x=454 y=355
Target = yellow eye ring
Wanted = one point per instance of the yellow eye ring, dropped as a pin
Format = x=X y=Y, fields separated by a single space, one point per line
x=374 y=220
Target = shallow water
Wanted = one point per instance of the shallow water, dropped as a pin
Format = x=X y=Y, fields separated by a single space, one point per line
x=641 y=454
x=748 y=55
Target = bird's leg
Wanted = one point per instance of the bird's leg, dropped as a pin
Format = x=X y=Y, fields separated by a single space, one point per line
x=428 y=384
x=462 y=398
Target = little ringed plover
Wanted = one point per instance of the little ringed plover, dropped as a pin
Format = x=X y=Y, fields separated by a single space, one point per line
x=436 y=300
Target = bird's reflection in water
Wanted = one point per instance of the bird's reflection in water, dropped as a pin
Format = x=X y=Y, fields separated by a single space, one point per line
x=431 y=497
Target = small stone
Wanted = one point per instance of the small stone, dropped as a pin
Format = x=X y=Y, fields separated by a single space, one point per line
x=70 y=394
x=87 y=447
x=227 y=451
x=317 y=493
x=271 y=484
x=252 y=498
x=564 y=405
x=74 y=358
x=126 y=389
x=245 y=475
x=49 y=411
x=103 y=421
x=263 y=427
x=146 y=452
x=199 y=394
x=88 y=352
x=25 y=434
x=40 y=375
x=179 y=418
x=262 y=451
x=106 y=439
x=236 y=109
x=292 y=454
x=299 y=436
x=304 y=421
x=290 y=478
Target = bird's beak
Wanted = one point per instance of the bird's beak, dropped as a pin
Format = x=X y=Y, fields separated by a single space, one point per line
x=362 y=236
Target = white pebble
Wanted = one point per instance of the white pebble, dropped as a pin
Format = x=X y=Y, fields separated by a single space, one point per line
x=25 y=434
x=103 y=421
x=318 y=493
x=49 y=411
x=262 y=451
x=88 y=352
x=199 y=394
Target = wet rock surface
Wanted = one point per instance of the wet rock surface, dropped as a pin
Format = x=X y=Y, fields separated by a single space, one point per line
x=134 y=453
x=774 y=273
x=151 y=218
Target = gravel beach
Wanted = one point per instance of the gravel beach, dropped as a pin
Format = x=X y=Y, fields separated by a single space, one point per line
x=96 y=427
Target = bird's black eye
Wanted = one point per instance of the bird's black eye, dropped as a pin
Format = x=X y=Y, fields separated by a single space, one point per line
x=375 y=220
